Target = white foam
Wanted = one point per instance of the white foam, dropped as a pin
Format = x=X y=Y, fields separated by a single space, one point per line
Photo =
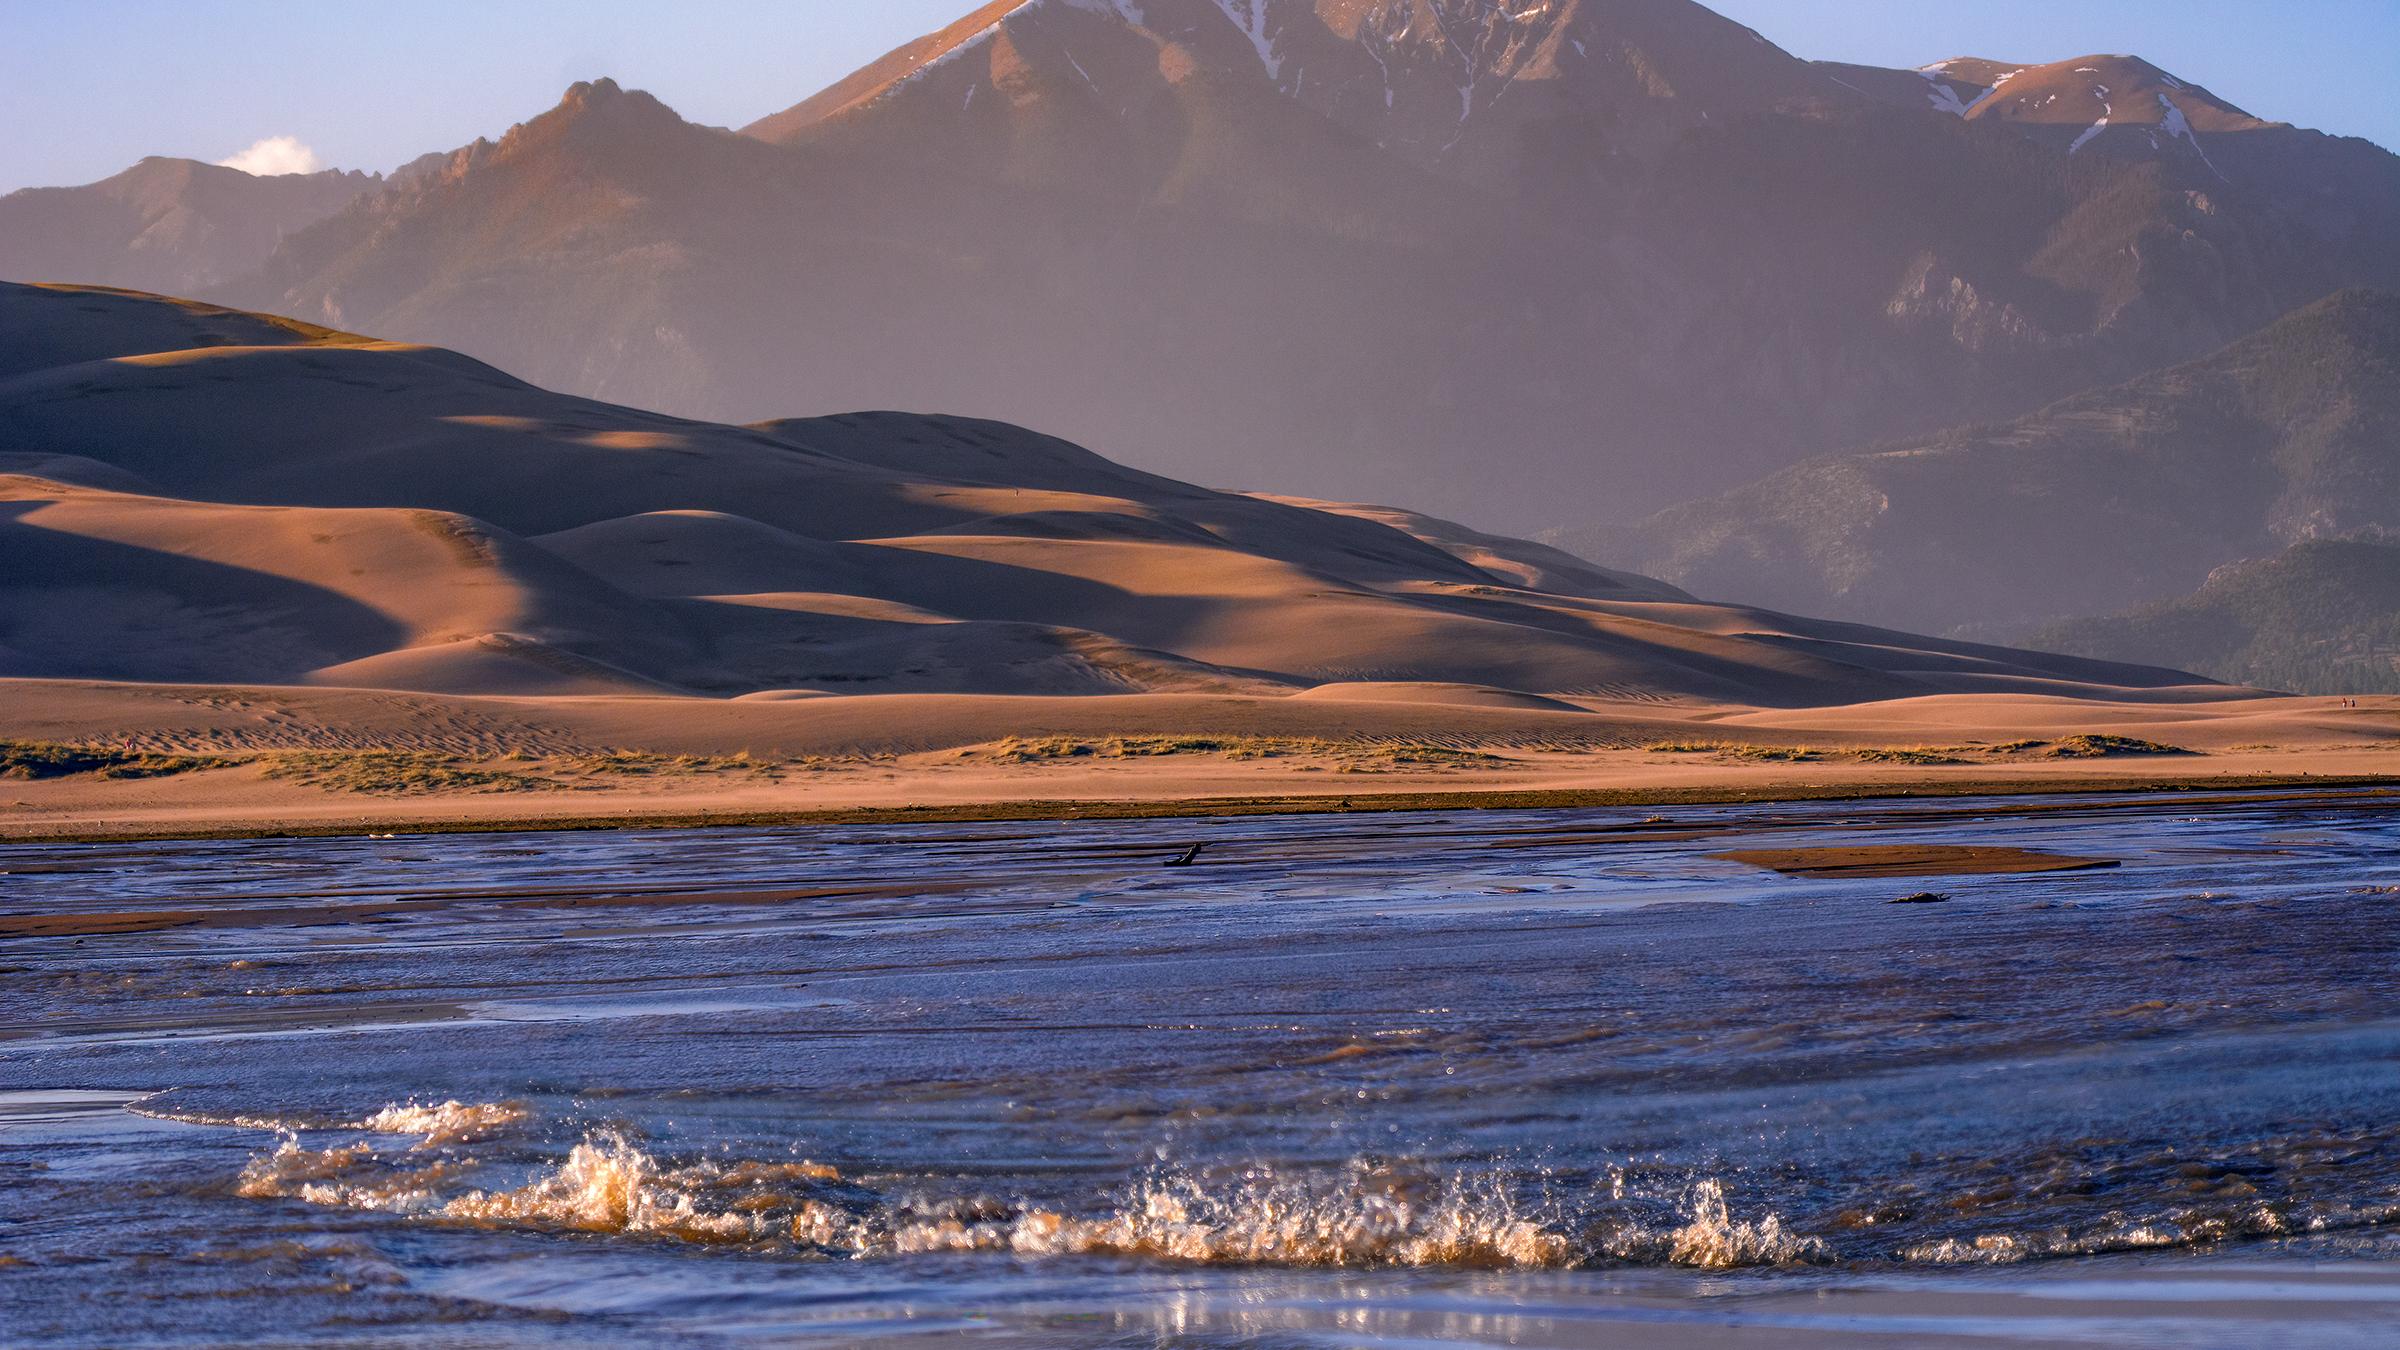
x=450 y=1122
x=1363 y=1215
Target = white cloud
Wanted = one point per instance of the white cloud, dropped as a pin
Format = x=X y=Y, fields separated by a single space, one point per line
x=275 y=155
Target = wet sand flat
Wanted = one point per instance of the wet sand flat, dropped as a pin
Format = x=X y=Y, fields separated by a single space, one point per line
x=1910 y=860
x=312 y=915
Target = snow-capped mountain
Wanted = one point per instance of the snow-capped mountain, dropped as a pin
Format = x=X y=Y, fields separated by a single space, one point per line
x=1530 y=262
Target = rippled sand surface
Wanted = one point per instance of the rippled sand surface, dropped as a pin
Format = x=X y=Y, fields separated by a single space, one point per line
x=1542 y=1079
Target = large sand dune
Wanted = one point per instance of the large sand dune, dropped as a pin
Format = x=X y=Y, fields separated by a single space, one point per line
x=203 y=514
x=207 y=495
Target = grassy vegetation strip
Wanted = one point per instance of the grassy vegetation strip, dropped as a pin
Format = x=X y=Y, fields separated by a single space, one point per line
x=647 y=764
x=1353 y=756
x=396 y=773
x=2378 y=791
x=2086 y=746
x=48 y=759
x=387 y=773
x=2103 y=747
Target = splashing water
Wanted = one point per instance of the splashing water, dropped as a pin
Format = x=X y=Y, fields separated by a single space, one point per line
x=1361 y=1216
x=1715 y=1240
x=451 y=1122
x=1366 y=1217
x=1480 y=1047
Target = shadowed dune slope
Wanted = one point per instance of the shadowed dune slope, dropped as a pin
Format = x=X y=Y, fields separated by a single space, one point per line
x=198 y=494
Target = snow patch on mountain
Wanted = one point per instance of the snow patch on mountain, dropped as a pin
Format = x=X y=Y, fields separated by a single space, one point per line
x=958 y=49
x=1999 y=83
x=1129 y=11
x=2179 y=127
x=2171 y=118
x=1250 y=16
x=1941 y=95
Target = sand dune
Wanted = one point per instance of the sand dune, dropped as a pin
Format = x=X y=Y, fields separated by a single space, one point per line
x=1522 y=562
x=298 y=571
x=1435 y=692
x=209 y=495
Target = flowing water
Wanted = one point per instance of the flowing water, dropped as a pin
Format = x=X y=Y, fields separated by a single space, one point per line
x=1529 y=1078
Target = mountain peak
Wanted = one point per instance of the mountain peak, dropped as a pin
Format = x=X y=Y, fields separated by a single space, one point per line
x=591 y=91
x=1434 y=78
x=599 y=115
x=166 y=222
x=2088 y=93
x=895 y=68
x=604 y=97
x=2121 y=106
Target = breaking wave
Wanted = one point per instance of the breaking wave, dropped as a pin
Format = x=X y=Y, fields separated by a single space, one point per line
x=450 y=1122
x=1361 y=1215
x=2184 y=1228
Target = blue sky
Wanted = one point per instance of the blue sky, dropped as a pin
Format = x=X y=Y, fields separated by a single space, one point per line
x=89 y=86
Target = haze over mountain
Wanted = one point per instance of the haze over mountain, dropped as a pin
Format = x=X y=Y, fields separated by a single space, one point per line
x=2104 y=501
x=1524 y=263
x=165 y=224
x=2319 y=617
x=202 y=495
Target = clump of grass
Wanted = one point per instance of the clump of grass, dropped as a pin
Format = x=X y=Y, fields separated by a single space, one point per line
x=49 y=759
x=1896 y=754
x=395 y=773
x=1029 y=750
x=648 y=764
x=644 y=762
x=1398 y=755
x=2101 y=747
x=1426 y=753
x=1353 y=756
x=1791 y=754
x=1811 y=754
x=2017 y=747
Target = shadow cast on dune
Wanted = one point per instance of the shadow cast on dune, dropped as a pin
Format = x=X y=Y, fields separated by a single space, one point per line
x=85 y=608
x=235 y=497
